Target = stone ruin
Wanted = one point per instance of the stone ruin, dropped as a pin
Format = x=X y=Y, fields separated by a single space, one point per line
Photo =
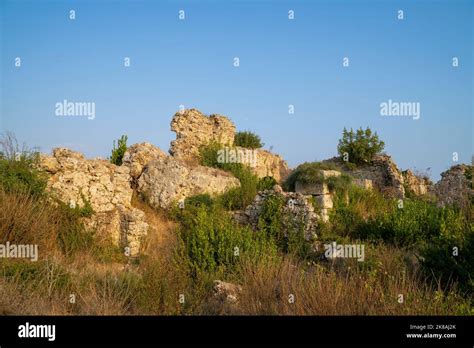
x=163 y=180
x=75 y=180
x=194 y=129
x=320 y=192
x=297 y=208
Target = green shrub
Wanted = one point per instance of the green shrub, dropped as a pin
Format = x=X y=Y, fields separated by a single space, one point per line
x=213 y=242
x=239 y=197
x=417 y=222
x=209 y=154
x=18 y=168
x=285 y=229
x=119 y=151
x=360 y=146
x=266 y=183
x=446 y=264
x=248 y=140
x=352 y=209
x=21 y=176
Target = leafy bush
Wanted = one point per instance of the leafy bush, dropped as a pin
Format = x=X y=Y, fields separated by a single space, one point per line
x=213 y=242
x=119 y=151
x=239 y=197
x=360 y=146
x=439 y=258
x=248 y=140
x=18 y=171
x=266 y=183
x=417 y=222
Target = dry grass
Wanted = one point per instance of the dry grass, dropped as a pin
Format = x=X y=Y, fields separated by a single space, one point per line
x=269 y=287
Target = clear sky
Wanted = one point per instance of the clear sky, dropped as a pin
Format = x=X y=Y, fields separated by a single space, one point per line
x=282 y=62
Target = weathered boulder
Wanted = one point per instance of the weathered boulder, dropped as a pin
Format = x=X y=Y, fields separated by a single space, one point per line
x=297 y=211
x=414 y=184
x=456 y=187
x=138 y=156
x=194 y=129
x=75 y=180
x=226 y=292
x=167 y=180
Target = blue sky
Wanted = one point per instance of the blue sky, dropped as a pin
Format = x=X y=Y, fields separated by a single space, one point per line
x=282 y=62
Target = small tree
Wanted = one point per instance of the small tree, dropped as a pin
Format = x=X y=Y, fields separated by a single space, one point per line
x=360 y=146
x=119 y=151
x=248 y=140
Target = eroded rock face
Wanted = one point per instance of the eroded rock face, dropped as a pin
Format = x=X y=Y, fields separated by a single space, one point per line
x=194 y=129
x=166 y=181
x=138 y=156
x=270 y=164
x=415 y=185
x=456 y=186
x=75 y=180
x=297 y=209
x=382 y=172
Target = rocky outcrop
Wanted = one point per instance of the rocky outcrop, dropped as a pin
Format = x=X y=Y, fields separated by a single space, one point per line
x=138 y=156
x=165 y=181
x=382 y=172
x=194 y=129
x=75 y=180
x=414 y=184
x=297 y=211
x=270 y=164
x=456 y=187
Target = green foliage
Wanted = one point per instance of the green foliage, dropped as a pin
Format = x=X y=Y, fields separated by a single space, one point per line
x=213 y=242
x=266 y=183
x=21 y=176
x=310 y=173
x=119 y=151
x=72 y=235
x=417 y=222
x=285 y=229
x=361 y=146
x=18 y=171
x=248 y=140
x=236 y=198
x=441 y=260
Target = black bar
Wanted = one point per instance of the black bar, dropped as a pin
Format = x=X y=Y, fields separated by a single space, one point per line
x=224 y=330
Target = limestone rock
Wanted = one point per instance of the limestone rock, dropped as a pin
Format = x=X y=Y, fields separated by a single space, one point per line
x=414 y=184
x=270 y=164
x=75 y=180
x=297 y=209
x=194 y=129
x=382 y=171
x=228 y=292
x=167 y=180
x=456 y=186
x=138 y=156
x=311 y=188
x=364 y=183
